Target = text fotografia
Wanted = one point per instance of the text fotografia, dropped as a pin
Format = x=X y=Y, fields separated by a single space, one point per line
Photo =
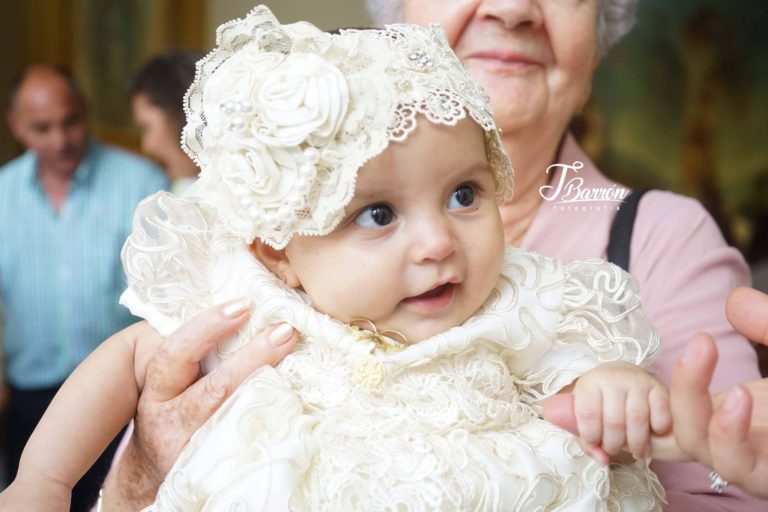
x=570 y=193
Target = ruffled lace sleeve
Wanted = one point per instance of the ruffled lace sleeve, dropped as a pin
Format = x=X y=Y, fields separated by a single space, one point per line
x=602 y=320
x=167 y=260
x=178 y=262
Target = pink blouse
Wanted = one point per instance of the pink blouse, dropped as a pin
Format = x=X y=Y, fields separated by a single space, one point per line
x=685 y=271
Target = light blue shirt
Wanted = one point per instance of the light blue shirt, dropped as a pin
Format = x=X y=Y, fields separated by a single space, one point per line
x=60 y=274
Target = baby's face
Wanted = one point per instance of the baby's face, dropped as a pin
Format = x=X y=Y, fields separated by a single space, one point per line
x=421 y=246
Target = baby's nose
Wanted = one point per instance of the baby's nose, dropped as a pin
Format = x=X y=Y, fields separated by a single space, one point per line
x=433 y=241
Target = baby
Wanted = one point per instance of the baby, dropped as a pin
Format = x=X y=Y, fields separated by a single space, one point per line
x=349 y=187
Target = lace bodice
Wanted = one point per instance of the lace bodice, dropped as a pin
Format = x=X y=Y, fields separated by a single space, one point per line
x=450 y=423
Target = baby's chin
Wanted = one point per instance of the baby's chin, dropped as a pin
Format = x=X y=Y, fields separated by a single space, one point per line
x=425 y=330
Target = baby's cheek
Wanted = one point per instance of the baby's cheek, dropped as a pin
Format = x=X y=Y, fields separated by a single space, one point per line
x=336 y=300
x=493 y=260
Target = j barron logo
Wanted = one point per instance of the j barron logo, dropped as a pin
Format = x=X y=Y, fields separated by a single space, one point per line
x=570 y=193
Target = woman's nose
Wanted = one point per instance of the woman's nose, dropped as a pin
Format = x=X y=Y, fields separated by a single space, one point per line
x=512 y=13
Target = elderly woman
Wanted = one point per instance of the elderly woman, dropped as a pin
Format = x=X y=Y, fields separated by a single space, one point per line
x=535 y=59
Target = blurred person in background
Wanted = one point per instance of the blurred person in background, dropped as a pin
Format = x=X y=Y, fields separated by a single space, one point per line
x=157 y=101
x=66 y=207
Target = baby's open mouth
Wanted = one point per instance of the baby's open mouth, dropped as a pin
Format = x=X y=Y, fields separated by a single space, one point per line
x=439 y=291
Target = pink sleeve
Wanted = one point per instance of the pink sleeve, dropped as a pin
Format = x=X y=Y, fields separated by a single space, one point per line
x=686 y=271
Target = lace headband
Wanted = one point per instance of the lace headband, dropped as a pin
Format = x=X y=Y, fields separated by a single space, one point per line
x=281 y=117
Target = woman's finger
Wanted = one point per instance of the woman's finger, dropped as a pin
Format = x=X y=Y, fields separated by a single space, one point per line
x=689 y=397
x=558 y=409
x=268 y=347
x=747 y=310
x=176 y=362
x=738 y=449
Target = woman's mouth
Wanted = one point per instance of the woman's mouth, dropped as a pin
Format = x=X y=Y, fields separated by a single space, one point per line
x=501 y=62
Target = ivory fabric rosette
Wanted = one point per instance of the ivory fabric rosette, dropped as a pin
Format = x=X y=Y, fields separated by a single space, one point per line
x=266 y=112
x=257 y=186
x=278 y=100
x=304 y=99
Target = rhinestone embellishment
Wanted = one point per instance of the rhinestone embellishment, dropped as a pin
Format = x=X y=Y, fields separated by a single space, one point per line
x=420 y=58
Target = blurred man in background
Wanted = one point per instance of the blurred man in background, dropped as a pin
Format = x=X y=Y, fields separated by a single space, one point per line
x=66 y=206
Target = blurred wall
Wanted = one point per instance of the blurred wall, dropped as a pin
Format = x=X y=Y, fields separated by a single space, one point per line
x=681 y=103
x=326 y=14
x=22 y=25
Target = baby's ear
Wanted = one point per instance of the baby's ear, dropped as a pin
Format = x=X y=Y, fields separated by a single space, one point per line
x=276 y=262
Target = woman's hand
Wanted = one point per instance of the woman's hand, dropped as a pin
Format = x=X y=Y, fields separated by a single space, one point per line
x=729 y=433
x=176 y=401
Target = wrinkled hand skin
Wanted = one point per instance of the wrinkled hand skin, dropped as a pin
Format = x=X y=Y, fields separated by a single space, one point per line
x=176 y=400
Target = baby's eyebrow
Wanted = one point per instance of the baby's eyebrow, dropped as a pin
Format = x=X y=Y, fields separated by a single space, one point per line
x=372 y=193
x=476 y=168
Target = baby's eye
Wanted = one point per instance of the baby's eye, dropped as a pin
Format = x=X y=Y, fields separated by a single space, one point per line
x=375 y=216
x=462 y=197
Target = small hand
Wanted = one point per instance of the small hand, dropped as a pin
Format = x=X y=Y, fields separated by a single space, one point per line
x=619 y=405
x=558 y=409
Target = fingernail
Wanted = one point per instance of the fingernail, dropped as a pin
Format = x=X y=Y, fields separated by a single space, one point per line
x=733 y=400
x=237 y=308
x=281 y=334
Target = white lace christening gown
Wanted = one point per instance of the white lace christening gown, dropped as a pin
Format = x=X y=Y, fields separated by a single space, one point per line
x=449 y=423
